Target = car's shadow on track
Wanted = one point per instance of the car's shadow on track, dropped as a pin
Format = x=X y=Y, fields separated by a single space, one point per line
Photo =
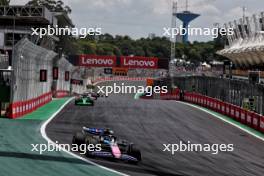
x=141 y=168
x=41 y=157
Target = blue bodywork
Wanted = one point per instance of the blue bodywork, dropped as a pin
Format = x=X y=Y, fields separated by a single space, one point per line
x=106 y=154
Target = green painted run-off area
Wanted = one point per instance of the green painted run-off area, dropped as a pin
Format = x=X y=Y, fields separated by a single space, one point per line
x=17 y=159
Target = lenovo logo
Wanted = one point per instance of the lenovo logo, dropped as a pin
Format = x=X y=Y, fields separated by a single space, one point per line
x=127 y=62
x=139 y=62
x=97 y=61
x=87 y=61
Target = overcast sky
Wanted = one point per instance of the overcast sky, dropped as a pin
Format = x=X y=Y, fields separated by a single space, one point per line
x=138 y=18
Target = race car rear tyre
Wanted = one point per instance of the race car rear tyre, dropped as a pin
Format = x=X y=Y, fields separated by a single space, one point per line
x=78 y=138
x=134 y=151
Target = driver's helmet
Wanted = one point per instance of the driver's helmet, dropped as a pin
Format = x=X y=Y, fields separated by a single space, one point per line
x=107 y=132
x=109 y=138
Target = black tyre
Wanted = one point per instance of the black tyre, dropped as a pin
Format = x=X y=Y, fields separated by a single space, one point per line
x=88 y=141
x=78 y=138
x=134 y=151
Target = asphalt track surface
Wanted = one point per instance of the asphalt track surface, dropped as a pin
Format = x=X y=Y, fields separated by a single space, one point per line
x=152 y=123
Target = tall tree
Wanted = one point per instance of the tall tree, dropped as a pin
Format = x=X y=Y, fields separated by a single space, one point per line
x=4 y=2
x=107 y=44
x=52 y=5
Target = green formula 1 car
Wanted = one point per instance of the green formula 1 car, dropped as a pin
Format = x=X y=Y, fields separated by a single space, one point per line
x=84 y=100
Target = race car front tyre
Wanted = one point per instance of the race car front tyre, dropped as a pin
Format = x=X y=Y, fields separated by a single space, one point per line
x=134 y=151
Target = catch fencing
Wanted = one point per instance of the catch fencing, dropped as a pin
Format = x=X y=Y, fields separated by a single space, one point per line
x=38 y=75
x=61 y=76
x=78 y=89
x=79 y=80
x=31 y=79
x=226 y=90
x=246 y=117
x=28 y=62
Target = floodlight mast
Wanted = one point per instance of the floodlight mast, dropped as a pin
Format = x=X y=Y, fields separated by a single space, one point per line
x=173 y=25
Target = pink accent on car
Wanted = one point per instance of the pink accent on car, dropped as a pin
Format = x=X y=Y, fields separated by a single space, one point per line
x=116 y=151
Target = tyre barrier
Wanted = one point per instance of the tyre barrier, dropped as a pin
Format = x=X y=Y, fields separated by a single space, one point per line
x=19 y=109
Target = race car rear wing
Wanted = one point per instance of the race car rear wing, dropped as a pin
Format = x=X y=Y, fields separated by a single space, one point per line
x=94 y=131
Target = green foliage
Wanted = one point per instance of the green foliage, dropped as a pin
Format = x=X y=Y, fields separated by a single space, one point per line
x=123 y=45
x=157 y=47
x=4 y=2
x=52 y=5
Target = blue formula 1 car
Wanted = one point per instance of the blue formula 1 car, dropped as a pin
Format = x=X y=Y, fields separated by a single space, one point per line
x=110 y=146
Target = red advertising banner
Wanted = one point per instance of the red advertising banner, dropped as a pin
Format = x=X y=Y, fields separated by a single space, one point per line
x=43 y=75
x=97 y=61
x=139 y=62
x=67 y=76
x=55 y=73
